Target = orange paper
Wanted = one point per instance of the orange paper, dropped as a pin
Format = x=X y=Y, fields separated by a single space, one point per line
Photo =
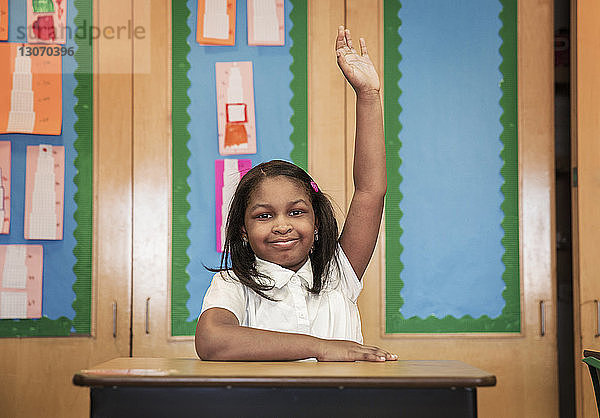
x=3 y=20
x=216 y=22
x=30 y=90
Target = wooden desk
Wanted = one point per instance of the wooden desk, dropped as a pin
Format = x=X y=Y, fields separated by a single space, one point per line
x=161 y=387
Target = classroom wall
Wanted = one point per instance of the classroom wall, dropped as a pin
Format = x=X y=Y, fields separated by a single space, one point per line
x=132 y=192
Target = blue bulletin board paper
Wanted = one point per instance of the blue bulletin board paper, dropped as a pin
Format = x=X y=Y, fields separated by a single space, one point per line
x=280 y=92
x=67 y=280
x=452 y=204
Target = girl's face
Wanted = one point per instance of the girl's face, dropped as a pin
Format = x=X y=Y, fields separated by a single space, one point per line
x=280 y=222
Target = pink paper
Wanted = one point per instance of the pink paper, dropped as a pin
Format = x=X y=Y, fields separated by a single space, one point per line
x=227 y=176
x=266 y=22
x=47 y=27
x=235 y=108
x=5 y=187
x=44 y=192
x=21 y=281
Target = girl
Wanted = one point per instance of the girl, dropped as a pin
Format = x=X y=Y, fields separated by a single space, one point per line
x=291 y=290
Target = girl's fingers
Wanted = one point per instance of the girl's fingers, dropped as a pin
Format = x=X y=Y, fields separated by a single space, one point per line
x=368 y=356
x=340 y=40
x=379 y=354
x=349 y=39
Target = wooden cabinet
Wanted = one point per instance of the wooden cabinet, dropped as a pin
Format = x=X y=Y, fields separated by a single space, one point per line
x=585 y=104
x=133 y=194
x=526 y=363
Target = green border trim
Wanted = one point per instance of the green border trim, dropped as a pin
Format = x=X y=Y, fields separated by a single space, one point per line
x=180 y=326
x=181 y=171
x=45 y=327
x=84 y=92
x=393 y=213
x=510 y=319
x=299 y=83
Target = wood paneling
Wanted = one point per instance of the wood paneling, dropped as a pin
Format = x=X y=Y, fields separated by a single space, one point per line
x=586 y=197
x=326 y=98
x=152 y=185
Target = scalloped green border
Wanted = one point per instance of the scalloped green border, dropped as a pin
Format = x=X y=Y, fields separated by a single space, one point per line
x=84 y=163
x=299 y=83
x=180 y=326
x=83 y=180
x=181 y=171
x=510 y=318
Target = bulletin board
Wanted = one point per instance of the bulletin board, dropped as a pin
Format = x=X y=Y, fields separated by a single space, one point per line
x=279 y=75
x=452 y=206
x=67 y=257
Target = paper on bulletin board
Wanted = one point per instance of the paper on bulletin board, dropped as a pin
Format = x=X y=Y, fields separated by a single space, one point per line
x=21 y=282
x=3 y=20
x=30 y=90
x=46 y=21
x=235 y=108
x=216 y=22
x=227 y=176
x=5 y=187
x=266 y=22
x=44 y=192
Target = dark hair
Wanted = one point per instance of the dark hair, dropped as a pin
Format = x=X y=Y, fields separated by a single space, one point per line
x=242 y=257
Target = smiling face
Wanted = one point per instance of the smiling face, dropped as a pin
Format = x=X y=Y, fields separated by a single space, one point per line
x=280 y=222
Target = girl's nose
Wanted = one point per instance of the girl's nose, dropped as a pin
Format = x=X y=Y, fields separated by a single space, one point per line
x=281 y=226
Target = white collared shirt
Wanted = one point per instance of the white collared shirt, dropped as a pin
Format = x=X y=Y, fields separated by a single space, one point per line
x=332 y=314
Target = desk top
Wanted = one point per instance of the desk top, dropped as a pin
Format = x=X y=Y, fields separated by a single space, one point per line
x=137 y=371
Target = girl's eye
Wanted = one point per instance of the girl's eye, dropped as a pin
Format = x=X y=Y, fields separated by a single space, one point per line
x=296 y=212
x=263 y=216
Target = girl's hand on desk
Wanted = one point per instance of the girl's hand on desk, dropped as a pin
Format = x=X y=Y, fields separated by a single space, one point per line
x=357 y=67
x=339 y=350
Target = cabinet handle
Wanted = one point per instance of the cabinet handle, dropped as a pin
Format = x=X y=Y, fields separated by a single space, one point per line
x=597 y=318
x=147 y=315
x=114 y=309
x=542 y=318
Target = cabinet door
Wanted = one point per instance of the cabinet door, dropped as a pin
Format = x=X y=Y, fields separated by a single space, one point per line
x=525 y=364
x=152 y=184
x=37 y=372
x=152 y=159
x=586 y=197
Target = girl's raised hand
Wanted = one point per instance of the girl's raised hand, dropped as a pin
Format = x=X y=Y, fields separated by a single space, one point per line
x=357 y=68
x=339 y=350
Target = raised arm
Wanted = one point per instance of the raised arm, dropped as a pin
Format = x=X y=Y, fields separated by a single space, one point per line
x=361 y=228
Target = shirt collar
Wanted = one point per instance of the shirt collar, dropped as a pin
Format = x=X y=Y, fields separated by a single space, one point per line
x=281 y=276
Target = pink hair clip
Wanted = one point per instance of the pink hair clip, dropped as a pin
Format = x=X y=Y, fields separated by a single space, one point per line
x=314 y=186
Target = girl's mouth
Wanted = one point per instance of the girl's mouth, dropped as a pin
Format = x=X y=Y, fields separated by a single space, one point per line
x=284 y=244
